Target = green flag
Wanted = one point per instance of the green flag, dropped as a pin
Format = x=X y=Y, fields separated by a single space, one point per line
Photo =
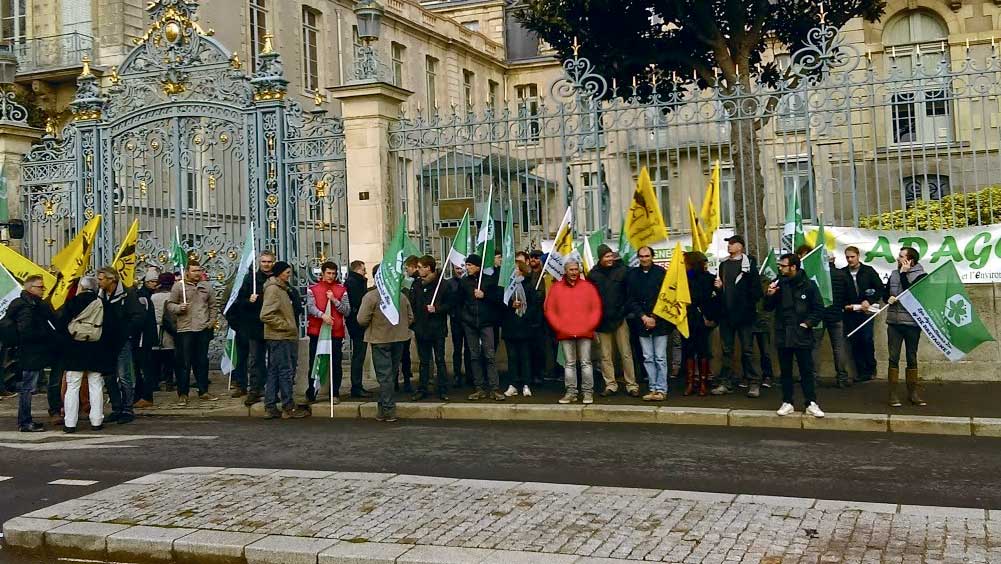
x=588 y=249
x=485 y=238
x=792 y=232
x=4 y=210
x=770 y=268
x=246 y=265
x=460 y=244
x=626 y=251
x=324 y=350
x=389 y=279
x=229 y=356
x=178 y=255
x=817 y=269
x=9 y=289
x=410 y=249
x=508 y=273
x=940 y=306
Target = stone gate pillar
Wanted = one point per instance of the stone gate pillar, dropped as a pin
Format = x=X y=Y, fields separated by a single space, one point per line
x=15 y=141
x=368 y=109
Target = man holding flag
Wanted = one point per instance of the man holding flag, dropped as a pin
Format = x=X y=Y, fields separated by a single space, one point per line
x=327 y=303
x=477 y=301
x=245 y=317
x=740 y=289
x=430 y=315
x=643 y=285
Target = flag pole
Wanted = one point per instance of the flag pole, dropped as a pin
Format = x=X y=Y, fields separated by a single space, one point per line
x=907 y=291
x=441 y=276
x=330 y=379
x=184 y=293
x=253 y=264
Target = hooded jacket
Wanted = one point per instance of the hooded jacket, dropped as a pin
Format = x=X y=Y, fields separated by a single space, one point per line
x=278 y=312
x=378 y=329
x=244 y=315
x=797 y=301
x=128 y=314
x=573 y=312
x=36 y=336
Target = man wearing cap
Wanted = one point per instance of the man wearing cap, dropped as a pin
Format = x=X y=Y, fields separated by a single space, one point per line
x=280 y=313
x=613 y=333
x=478 y=300
x=740 y=289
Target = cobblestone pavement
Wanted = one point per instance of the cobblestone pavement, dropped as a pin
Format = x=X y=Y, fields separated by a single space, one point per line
x=634 y=524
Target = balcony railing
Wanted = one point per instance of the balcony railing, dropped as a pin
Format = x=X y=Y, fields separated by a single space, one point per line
x=52 y=52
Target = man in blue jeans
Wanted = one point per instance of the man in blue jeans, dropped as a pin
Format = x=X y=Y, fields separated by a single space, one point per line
x=36 y=334
x=642 y=288
x=122 y=304
x=280 y=313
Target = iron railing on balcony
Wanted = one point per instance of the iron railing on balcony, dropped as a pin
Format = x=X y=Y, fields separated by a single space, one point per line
x=52 y=52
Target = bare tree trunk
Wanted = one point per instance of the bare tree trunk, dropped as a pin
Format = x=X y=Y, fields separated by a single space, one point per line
x=749 y=184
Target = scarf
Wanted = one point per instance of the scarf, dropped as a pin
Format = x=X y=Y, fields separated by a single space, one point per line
x=519 y=296
x=745 y=267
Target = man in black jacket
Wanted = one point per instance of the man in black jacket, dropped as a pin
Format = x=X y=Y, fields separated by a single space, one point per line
x=128 y=314
x=798 y=310
x=146 y=382
x=610 y=278
x=643 y=285
x=460 y=348
x=357 y=285
x=36 y=336
x=430 y=315
x=245 y=318
x=478 y=300
x=863 y=288
x=740 y=290
x=834 y=326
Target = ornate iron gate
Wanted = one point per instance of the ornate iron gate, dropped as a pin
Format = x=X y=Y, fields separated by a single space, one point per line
x=186 y=142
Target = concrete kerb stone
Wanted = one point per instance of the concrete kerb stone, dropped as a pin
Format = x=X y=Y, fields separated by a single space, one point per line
x=146 y=543
x=801 y=502
x=710 y=497
x=250 y=471
x=838 y=505
x=347 y=410
x=367 y=410
x=278 y=549
x=214 y=547
x=543 y=412
x=422 y=480
x=363 y=553
x=994 y=515
x=81 y=539
x=986 y=427
x=518 y=557
x=417 y=410
x=619 y=413
x=482 y=411
x=27 y=533
x=928 y=425
x=693 y=416
x=762 y=418
x=596 y=560
x=933 y=511
x=444 y=555
x=153 y=478
x=195 y=470
x=865 y=422
x=59 y=509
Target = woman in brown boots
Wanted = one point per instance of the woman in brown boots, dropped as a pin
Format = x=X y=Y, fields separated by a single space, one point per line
x=901 y=329
x=702 y=313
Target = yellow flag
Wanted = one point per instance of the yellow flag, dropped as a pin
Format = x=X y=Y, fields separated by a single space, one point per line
x=644 y=221
x=72 y=262
x=674 y=297
x=126 y=258
x=710 y=215
x=699 y=242
x=21 y=267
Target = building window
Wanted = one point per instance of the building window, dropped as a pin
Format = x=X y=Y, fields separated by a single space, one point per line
x=591 y=204
x=531 y=206
x=660 y=176
x=431 y=82
x=468 y=92
x=797 y=176
x=258 y=28
x=726 y=184
x=472 y=25
x=310 y=49
x=190 y=190
x=399 y=55
x=14 y=18
x=492 y=88
x=925 y=187
x=529 y=125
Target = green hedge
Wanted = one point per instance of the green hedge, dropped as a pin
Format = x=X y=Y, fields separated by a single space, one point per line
x=955 y=210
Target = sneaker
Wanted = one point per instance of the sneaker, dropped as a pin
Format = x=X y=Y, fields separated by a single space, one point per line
x=477 y=396
x=69 y=430
x=652 y=396
x=301 y=412
x=142 y=404
x=7 y=394
x=272 y=413
x=634 y=393
x=443 y=397
x=181 y=401
x=336 y=400
x=32 y=428
x=497 y=396
x=208 y=397
x=286 y=413
x=786 y=409
x=814 y=410
x=97 y=427
x=754 y=391
x=766 y=382
x=511 y=391
x=609 y=392
x=238 y=393
x=252 y=398
x=569 y=397
x=526 y=392
x=588 y=398
x=390 y=418
x=743 y=384
x=720 y=390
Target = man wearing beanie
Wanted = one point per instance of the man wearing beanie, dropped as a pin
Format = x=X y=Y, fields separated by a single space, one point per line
x=280 y=313
x=613 y=333
x=147 y=382
x=478 y=300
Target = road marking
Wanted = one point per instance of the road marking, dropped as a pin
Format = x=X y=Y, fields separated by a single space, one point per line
x=5 y=478
x=72 y=482
x=36 y=441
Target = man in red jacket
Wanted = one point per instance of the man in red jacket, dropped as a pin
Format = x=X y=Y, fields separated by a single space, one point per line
x=328 y=289
x=573 y=310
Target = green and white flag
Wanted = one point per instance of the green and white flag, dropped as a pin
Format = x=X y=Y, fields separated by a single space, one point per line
x=4 y=210
x=770 y=268
x=242 y=271
x=460 y=245
x=509 y=275
x=940 y=306
x=389 y=279
x=588 y=249
x=9 y=289
x=178 y=255
x=229 y=360
x=626 y=251
x=324 y=352
x=485 y=238
x=793 y=236
x=817 y=269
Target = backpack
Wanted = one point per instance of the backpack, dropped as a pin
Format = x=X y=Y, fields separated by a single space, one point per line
x=86 y=326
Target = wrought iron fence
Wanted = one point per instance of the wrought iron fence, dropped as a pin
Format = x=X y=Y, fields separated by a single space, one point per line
x=53 y=52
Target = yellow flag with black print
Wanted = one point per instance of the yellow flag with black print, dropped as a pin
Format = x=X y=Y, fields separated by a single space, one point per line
x=72 y=262
x=644 y=220
x=126 y=257
x=674 y=297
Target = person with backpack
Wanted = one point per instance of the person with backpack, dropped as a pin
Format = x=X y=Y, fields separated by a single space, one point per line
x=32 y=319
x=88 y=352
x=125 y=315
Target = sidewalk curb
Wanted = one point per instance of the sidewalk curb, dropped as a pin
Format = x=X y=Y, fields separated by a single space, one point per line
x=664 y=415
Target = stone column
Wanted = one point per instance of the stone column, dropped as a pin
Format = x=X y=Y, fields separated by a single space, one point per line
x=15 y=142
x=368 y=109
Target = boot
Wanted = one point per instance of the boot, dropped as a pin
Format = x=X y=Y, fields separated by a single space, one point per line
x=913 y=387
x=689 y=376
x=893 y=377
x=704 y=375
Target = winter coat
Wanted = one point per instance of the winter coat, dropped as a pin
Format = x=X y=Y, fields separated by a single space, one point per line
x=316 y=305
x=35 y=331
x=149 y=337
x=201 y=306
x=516 y=327
x=573 y=312
x=128 y=315
x=705 y=300
x=835 y=312
x=245 y=317
x=429 y=326
x=642 y=289
x=166 y=322
x=479 y=313
x=81 y=356
x=741 y=291
x=865 y=286
x=896 y=285
x=278 y=312
x=357 y=286
x=611 y=284
x=797 y=301
x=378 y=329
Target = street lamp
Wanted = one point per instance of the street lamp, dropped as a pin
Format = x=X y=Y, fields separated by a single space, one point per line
x=369 y=15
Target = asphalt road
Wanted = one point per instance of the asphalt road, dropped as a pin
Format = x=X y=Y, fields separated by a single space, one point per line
x=912 y=469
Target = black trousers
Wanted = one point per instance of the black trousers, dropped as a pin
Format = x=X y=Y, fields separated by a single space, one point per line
x=193 y=356
x=804 y=359
x=428 y=351
x=242 y=360
x=519 y=361
x=148 y=374
x=460 y=351
x=359 y=348
x=407 y=363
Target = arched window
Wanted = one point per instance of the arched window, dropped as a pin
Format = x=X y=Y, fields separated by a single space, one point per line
x=914 y=35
